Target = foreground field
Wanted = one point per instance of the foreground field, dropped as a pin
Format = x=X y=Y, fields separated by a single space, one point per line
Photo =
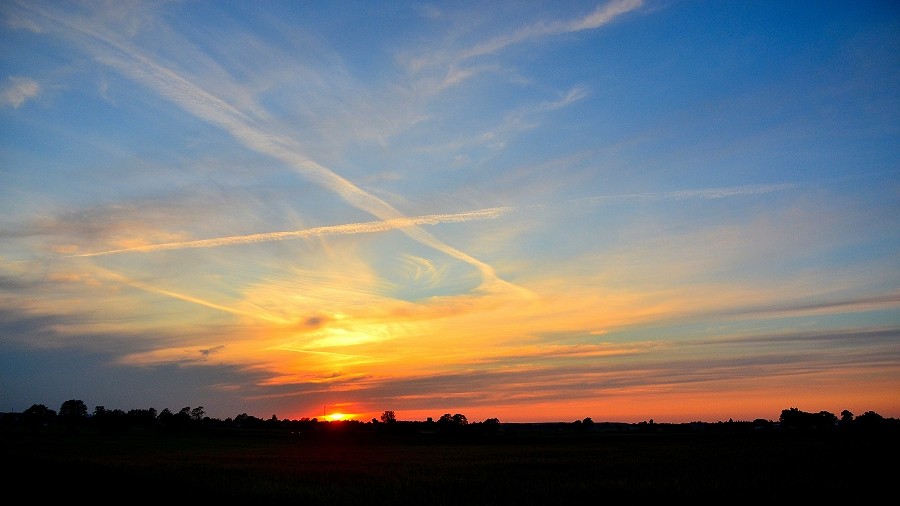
x=380 y=470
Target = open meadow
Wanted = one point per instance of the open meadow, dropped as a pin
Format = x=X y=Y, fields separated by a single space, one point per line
x=512 y=467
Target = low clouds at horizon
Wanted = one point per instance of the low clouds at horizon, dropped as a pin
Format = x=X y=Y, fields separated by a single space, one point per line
x=533 y=211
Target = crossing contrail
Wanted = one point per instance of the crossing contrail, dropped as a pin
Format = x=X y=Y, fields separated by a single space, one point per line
x=369 y=227
x=350 y=228
x=253 y=131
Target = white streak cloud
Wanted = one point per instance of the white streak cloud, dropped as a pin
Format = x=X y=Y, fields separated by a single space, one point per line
x=18 y=91
x=401 y=223
x=256 y=135
x=701 y=194
x=602 y=15
x=351 y=228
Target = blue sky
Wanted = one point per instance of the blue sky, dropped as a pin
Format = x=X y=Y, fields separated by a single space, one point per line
x=532 y=211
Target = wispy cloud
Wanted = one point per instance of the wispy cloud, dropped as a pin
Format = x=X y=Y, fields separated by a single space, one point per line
x=603 y=15
x=525 y=118
x=421 y=270
x=885 y=300
x=351 y=228
x=574 y=95
x=252 y=132
x=432 y=219
x=702 y=194
x=257 y=315
x=440 y=70
x=652 y=370
x=250 y=194
x=18 y=91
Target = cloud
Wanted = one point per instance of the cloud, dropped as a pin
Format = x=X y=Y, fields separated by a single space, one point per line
x=209 y=351
x=874 y=302
x=523 y=119
x=574 y=95
x=601 y=16
x=432 y=219
x=253 y=132
x=869 y=337
x=351 y=228
x=604 y=14
x=420 y=270
x=315 y=322
x=456 y=62
x=256 y=315
x=651 y=371
x=17 y=21
x=698 y=194
x=18 y=91
x=125 y=225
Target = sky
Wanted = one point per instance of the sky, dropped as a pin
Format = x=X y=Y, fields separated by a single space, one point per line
x=533 y=211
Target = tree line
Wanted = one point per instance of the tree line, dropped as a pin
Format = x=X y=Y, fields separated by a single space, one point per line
x=73 y=414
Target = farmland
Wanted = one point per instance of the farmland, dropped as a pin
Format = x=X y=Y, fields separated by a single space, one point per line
x=513 y=466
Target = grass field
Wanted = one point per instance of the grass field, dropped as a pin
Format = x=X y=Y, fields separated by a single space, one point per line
x=338 y=470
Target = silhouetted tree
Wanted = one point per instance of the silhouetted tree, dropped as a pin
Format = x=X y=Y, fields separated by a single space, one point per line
x=827 y=420
x=388 y=417
x=790 y=416
x=490 y=426
x=73 y=408
x=869 y=421
x=109 y=420
x=142 y=417
x=73 y=412
x=197 y=413
x=174 y=421
x=584 y=425
x=451 y=424
x=38 y=415
x=181 y=419
x=248 y=421
x=796 y=419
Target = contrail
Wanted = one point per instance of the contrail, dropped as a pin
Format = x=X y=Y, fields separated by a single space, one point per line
x=703 y=194
x=249 y=131
x=257 y=134
x=187 y=298
x=350 y=228
x=369 y=227
x=602 y=15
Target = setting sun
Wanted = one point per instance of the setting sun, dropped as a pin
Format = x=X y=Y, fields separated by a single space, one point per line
x=335 y=417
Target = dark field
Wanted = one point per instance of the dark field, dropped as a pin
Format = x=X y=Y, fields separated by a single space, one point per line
x=520 y=469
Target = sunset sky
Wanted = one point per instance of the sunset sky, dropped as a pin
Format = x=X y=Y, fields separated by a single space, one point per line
x=532 y=211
